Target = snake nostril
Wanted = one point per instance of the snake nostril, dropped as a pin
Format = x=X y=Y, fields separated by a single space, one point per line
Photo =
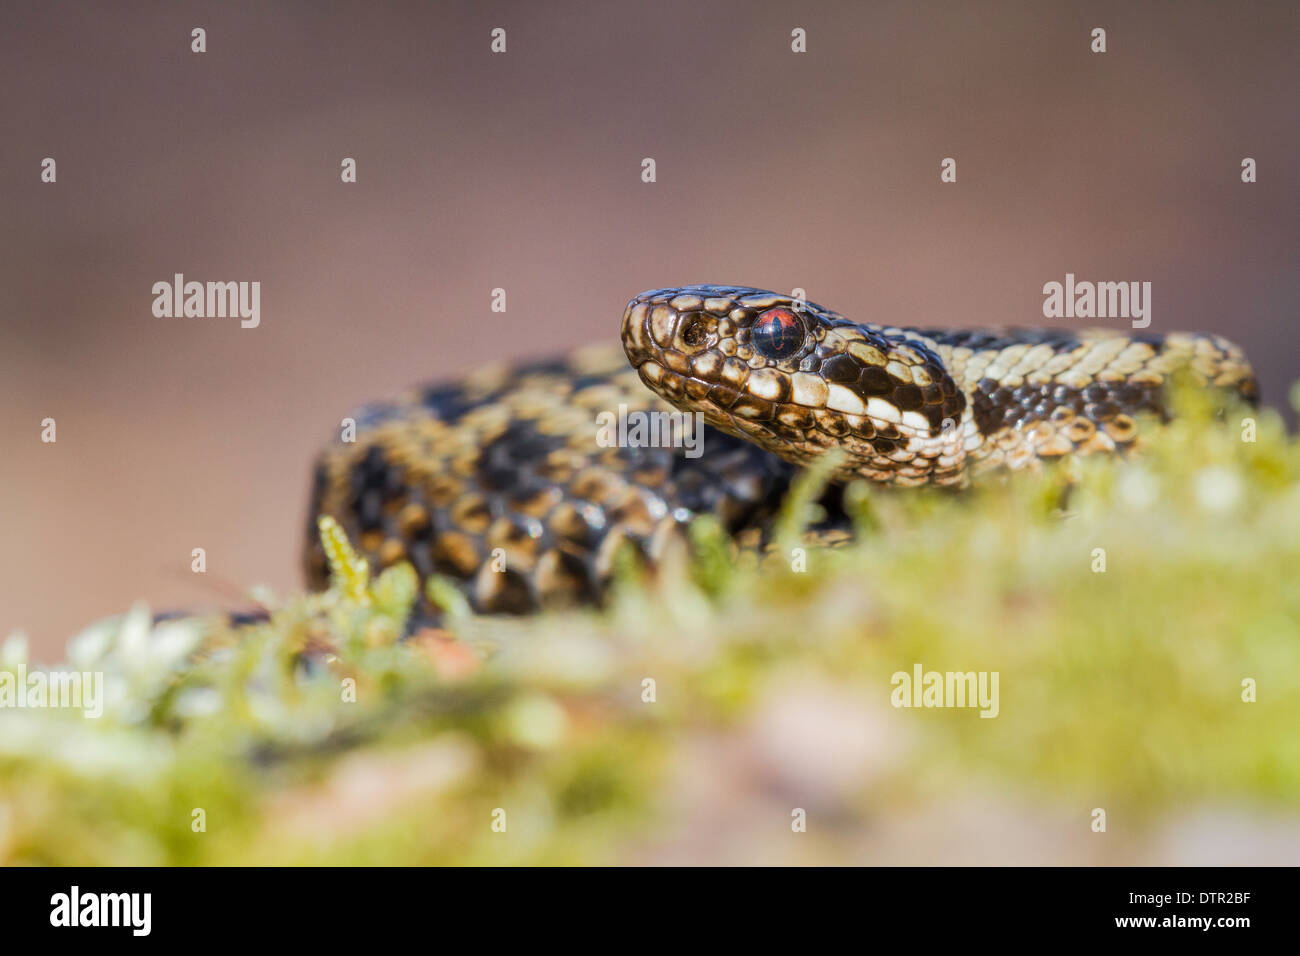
x=694 y=332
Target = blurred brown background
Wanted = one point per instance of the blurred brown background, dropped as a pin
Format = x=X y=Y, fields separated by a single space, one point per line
x=522 y=171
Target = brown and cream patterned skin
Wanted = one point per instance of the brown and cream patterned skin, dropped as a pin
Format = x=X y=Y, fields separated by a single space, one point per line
x=508 y=459
x=499 y=483
x=909 y=406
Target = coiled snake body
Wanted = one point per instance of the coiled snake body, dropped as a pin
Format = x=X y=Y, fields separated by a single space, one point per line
x=501 y=482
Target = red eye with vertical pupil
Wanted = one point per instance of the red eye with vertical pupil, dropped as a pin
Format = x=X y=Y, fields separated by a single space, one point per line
x=777 y=333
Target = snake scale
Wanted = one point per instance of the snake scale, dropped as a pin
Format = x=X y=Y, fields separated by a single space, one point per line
x=499 y=481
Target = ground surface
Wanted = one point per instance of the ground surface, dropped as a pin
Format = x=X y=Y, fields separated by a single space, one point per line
x=321 y=738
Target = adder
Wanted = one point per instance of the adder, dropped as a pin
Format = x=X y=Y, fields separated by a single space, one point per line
x=499 y=482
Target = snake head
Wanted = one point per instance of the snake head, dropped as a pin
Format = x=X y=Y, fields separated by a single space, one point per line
x=799 y=379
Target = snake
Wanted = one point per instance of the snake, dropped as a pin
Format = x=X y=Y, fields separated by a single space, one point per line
x=505 y=483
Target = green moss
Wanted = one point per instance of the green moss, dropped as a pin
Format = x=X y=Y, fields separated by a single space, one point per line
x=320 y=737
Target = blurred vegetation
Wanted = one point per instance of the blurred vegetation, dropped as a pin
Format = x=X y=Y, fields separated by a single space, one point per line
x=321 y=736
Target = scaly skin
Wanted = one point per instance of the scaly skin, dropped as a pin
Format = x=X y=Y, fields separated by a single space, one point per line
x=908 y=406
x=499 y=482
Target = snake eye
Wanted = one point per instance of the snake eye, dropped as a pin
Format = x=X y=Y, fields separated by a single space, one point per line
x=778 y=333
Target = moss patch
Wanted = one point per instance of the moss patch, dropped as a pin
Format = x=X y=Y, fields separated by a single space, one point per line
x=320 y=737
